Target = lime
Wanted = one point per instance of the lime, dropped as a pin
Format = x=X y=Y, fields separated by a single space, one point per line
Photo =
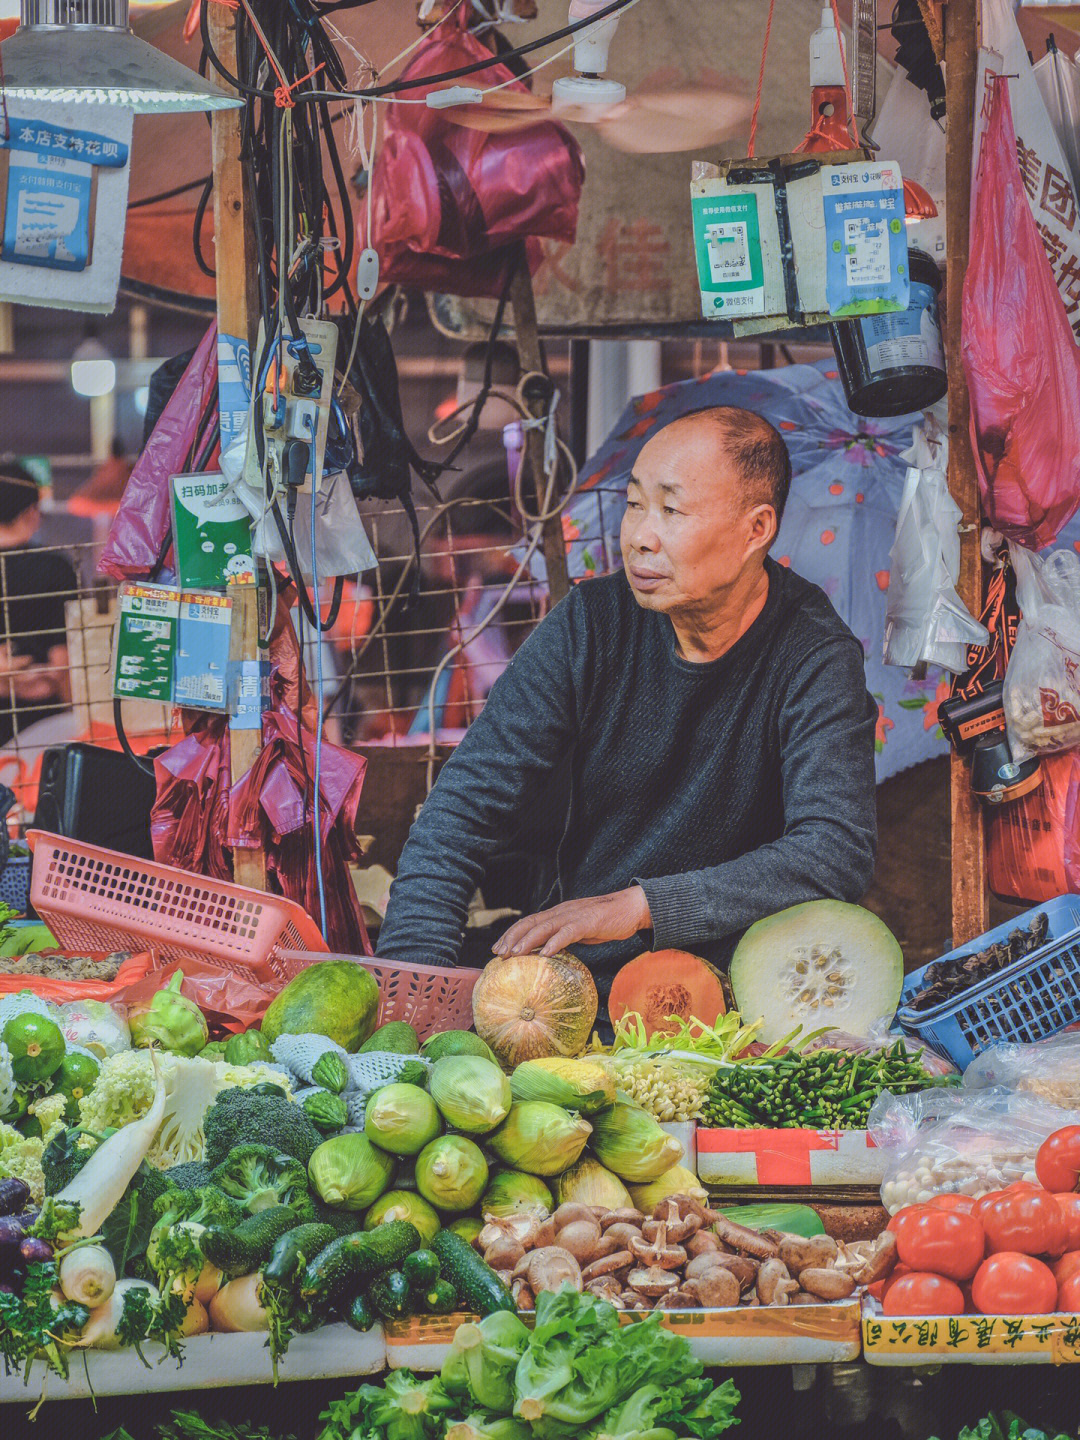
x=36 y=1046
x=74 y=1078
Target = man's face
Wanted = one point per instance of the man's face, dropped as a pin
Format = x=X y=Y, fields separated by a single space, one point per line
x=688 y=532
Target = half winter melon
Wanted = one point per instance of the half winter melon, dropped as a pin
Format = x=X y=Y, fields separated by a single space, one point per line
x=824 y=963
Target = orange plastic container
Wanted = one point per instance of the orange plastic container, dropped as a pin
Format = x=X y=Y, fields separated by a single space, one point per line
x=94 y=899
x=430 y=997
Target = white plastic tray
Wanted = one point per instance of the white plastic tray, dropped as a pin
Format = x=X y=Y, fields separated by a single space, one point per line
x=209 y=1362
x=799 y=1335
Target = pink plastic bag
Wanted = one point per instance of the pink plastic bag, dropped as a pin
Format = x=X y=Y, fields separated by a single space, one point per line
x=141 y=528
x=1022 y=363
x=452 y=204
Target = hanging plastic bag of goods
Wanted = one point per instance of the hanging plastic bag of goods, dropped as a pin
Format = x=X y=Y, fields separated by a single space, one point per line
x=452 y=204
x=926 y=619
x=1021 y=361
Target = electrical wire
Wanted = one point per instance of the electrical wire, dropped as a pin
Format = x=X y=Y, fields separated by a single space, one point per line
x=319 y=693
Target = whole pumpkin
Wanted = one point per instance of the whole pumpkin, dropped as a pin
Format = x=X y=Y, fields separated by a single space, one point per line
x=528 y=1007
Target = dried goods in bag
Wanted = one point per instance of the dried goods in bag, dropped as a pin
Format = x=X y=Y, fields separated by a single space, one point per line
x=1042 y=683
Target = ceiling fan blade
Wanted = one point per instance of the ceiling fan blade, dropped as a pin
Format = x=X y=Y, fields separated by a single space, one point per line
x=663 y=122
x=501 y=110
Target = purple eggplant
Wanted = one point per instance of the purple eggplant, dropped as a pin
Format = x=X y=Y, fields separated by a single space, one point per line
x=33 y=1250
x=12 y=1235
x=13 y=1196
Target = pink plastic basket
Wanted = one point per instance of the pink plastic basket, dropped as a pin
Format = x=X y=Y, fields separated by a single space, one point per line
x=430 y=997
x=93 y=899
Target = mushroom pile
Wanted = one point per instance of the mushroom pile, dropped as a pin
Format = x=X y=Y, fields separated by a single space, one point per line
x=682 y=1257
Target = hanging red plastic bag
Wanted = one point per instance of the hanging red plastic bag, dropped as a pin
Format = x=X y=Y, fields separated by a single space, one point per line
x=1034 y=851
x=451 y=204
x=1042 y=683
x=140 y=532
x=228 y=999
x=1021 y=361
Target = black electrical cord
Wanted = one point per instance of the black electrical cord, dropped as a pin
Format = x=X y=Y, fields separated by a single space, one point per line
x=125 y=744
x=393 y=87
x=170 y=194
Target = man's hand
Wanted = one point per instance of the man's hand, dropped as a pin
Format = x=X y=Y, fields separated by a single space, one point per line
x=582 y=922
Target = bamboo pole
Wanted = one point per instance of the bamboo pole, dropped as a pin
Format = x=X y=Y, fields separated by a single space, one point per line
x=236 y=258
x=970 y=894
x=532 y=359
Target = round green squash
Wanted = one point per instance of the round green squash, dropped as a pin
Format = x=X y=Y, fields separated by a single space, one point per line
x=336 y=998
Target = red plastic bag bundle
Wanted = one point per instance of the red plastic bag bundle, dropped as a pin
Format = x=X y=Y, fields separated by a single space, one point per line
x=452 y=205
x=198 y=816
x=140 y=531
x=1022 y=363
x=1034 y=851
x=229 y=1000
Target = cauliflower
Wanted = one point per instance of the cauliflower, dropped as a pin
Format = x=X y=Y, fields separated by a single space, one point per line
x=7 y=1080
x=49 y=1112
x=20 y=1159
x=124 y=1091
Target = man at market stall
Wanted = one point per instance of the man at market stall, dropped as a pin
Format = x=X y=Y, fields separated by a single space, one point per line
x=712 y=710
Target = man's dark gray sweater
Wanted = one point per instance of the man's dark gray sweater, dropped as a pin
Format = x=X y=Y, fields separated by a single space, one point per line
x=727 y=790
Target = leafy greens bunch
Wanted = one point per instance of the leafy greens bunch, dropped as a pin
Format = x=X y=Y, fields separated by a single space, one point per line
x=579 y=1375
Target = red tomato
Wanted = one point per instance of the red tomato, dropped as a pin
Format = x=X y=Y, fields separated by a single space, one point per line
x=1058 y=1162
x=1070 y=1208
x=965 y=1204
x=902 y=1217
x=1013 y=1284
x=881 y=1288
x=1067 y=1266
x=922 y=1294
x=1069 y=1295
x=944 y=1242
x=1025 y=1222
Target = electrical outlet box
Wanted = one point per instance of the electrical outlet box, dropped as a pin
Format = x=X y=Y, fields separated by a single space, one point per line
x=288 y=411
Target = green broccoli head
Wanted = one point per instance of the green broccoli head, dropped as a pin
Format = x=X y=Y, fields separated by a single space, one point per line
x=240 y=1117
x=207 y=1205
x=258 y=1176
x=189 y=1176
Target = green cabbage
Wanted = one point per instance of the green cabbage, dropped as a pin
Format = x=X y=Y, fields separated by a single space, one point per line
x=348 y=1171
x=404 y=1205
x=472 y=1093
x=401 y=1119
x=451 y=1173
x=513 y=1192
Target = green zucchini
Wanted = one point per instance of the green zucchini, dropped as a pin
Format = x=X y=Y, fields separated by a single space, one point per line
x=441 y=1298
x=244 y=1248
x=351 y=1260
x=390 y=1295
x=293 y=1251
x=476 y=1283
x=421 y=1269
x=358 y=1313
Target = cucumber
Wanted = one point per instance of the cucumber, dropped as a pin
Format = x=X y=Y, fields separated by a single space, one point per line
x=358 y=1313
x=293 y=1251
x=390 y=1295
x=440 y=1299
x=476 y=1283
x=421 y=1269
x=243 y=1248
x=397 y=1035
x=351 y=1260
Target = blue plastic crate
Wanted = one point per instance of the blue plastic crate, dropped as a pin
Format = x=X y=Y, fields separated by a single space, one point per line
x=1035 y=997
x=15 y=883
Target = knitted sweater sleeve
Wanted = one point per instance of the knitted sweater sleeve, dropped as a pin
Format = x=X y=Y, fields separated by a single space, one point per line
x=827 y=722
x=527 y=725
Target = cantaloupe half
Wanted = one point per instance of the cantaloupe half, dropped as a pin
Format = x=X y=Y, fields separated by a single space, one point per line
x=665 y=983
x=824 y=963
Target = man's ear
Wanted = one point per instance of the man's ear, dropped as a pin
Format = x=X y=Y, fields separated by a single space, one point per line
x=761 y=528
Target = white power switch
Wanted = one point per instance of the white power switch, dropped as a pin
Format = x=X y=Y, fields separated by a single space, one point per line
x=303 y=420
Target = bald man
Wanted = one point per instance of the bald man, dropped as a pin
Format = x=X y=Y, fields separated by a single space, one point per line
x=712 y=709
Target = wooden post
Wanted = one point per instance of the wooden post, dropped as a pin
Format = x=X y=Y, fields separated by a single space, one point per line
x=236 y=258
x=970 y=895
x=528 y=344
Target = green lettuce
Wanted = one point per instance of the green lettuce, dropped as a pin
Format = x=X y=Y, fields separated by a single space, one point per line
x=483 y=1359
x=664 y=1412
x=401 y=1408
x=580 y=1362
